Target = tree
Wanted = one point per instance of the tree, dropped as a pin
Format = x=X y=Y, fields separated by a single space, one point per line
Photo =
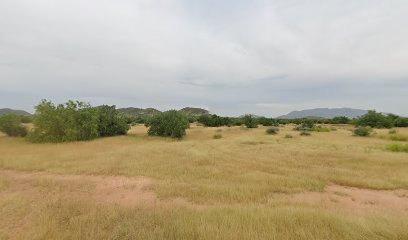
x=72 y=121
x=110 y=123
x=168 y=124
x=249 y=121
x=374 y=120
x=401 y=122
x=10 y=124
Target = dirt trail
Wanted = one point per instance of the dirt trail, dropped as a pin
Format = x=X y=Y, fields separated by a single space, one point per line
x=353 y=200
x=137 y=192
x=124 y=191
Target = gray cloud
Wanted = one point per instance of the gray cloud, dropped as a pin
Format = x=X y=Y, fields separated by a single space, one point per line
x=231 y=57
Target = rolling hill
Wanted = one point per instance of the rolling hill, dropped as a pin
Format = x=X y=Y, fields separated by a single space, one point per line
x=325 y=113
x=4 y=111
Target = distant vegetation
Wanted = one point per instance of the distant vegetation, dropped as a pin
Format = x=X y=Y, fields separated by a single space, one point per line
x=250 y=121
x=78 y=121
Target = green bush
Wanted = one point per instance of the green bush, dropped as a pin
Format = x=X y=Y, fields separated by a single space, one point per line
x=110 y=123
x=401 y=122
x=72 y=121
x=305 y=125
x=250 y=121
x=272 y=131
x=10 y=124
x=374 y=120
x=214 y=120
x=168 y=124
x=396 y=147
x=362 y=131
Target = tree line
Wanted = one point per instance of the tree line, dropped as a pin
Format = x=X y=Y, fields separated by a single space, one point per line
x=79 y=121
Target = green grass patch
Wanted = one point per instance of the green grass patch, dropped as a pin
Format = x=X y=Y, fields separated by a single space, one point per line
x=397 y=147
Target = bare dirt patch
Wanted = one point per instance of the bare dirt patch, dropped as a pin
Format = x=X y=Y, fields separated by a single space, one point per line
x=121 y=190
x=354 y=200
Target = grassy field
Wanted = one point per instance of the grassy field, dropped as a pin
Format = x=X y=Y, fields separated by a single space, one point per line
x=242 y=184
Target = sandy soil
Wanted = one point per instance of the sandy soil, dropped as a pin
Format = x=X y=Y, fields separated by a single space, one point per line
x=137 y=192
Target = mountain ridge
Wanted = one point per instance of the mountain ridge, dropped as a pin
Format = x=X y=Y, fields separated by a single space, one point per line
x=325 y=113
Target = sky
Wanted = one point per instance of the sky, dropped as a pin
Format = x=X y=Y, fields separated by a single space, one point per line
x=230 y=57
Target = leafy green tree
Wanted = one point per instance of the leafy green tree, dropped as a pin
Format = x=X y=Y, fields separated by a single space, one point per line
x=110 y=122
x=10 y=124
x=250 y=121
x=374 y=120
x=401 y=122
x=168 y=124
x=72 y=121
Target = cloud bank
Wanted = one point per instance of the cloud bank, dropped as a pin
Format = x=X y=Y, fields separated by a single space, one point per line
x=231 y=57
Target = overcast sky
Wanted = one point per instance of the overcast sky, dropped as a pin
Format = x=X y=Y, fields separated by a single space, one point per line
x=230 y=57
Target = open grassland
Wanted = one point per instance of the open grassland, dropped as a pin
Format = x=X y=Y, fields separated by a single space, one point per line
x=244 y=185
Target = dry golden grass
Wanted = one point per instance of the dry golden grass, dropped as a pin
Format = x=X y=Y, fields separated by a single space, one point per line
x=232 y=186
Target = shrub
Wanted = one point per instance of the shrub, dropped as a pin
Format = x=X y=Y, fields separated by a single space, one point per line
x=396 y=147
x=72 y=121
x=168 y=124
x=362 y=131
x=374 y=120
x=272 y=131
x=214 y=120
x=217 y=136
x=305 y=133
x=392 y=131
x=11 y=125
x=250 y=121
x=305 y=125
x=288 y=136
x=110 y=123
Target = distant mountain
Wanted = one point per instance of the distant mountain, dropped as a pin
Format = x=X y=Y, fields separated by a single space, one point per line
x=193 y=111
x=4 y=111
x=325 y=113
x=138 y=112
x=149 y=112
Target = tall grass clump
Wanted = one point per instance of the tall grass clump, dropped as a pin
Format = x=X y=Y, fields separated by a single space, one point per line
x=397 y=147
x=11 y=125
x=398 y=137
